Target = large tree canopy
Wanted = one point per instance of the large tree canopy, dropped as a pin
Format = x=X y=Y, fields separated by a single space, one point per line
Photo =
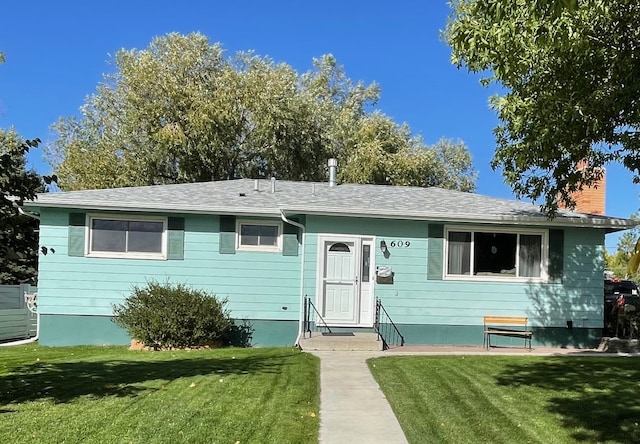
x=180 y=111
x=18 y=233
x=571 y=71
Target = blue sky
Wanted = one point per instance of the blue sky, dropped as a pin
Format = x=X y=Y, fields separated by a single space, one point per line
x=57 y=53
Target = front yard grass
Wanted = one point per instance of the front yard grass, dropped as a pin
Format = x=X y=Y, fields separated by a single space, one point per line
x=508 y=399
x=113 y=395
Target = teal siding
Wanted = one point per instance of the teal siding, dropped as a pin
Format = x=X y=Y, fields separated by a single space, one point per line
x=265 y=287
x=413 y=299
x=257 y=285
x=409 y=264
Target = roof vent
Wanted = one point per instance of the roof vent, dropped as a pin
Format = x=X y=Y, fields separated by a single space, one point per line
x=273 y=184
x=333 y=165
x=256 y=185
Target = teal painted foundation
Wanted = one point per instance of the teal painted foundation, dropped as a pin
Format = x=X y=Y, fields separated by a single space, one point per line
x=473 y=335
x=273 y=333
x=65 y=330
x=62 y=330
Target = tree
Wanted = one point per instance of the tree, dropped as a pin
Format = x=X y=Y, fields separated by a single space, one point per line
x=619 y=262
x=627 y=256
x=571 y=78
x=382 y=152
x=18 y=233
x=179 y=111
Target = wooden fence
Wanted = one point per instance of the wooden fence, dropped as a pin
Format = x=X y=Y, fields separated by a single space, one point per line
x=16 y=320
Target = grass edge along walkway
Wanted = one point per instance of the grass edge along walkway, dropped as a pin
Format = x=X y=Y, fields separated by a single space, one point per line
x=114 y=395
x=506 y=399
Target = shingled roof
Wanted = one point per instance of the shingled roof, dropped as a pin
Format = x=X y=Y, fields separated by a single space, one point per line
x=267 y=198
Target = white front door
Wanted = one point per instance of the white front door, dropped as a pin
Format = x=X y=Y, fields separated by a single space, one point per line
x=346 y=282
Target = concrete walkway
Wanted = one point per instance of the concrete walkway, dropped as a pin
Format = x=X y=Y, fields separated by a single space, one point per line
x=353 y=409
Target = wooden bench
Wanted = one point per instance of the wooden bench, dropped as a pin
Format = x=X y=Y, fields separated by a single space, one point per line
x=506 y=326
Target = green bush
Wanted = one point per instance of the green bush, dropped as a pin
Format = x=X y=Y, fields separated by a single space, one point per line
x=174 y=316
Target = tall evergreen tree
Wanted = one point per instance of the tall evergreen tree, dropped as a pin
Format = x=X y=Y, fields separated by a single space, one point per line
x=18 y=233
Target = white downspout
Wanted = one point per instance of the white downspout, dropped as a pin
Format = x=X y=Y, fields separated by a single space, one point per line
x=28 y=214
x=302 y=254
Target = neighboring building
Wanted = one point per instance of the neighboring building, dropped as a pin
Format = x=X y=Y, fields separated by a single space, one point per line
x=265 y=245
x=590 y=200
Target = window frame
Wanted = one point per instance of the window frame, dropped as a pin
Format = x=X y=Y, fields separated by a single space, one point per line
x=259 y=222
x=544 y=254
x=162 y=255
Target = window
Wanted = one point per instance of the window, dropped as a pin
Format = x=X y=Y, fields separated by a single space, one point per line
x=259 y=235
x=339 y=246
x=119 y=237
x=495 y=254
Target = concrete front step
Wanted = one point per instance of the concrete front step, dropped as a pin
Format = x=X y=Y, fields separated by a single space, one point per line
x=357 y=342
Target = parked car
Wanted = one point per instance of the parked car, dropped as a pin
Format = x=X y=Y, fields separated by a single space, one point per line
x=619 y=286
x=613 y=290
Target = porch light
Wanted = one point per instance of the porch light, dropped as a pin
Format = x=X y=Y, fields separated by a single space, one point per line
x=383 y=246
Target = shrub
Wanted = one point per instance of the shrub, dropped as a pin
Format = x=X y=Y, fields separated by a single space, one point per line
x=239 y=335
x=168 y=315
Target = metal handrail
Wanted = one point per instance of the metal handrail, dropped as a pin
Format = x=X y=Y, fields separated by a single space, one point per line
x=308 y=305
x=385 y=334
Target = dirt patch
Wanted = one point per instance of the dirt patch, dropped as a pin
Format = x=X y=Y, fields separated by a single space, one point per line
x=138 y=345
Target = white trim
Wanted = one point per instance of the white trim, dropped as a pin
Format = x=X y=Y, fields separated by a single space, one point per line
x=563 y=220
x=125 y=255
x=544 y=254
x=260 y=222
x=371 y=241
x=358 y=240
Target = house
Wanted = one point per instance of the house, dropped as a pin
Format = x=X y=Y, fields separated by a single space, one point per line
x=438 y=260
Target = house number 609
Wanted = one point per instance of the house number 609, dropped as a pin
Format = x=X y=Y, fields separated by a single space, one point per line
x=400 y=244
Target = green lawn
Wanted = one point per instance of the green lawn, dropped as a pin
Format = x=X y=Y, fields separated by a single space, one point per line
x=513 y=399
x=113 y=395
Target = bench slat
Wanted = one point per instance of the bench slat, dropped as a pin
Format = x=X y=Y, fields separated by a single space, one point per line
x=509 y=332
x=505 y=320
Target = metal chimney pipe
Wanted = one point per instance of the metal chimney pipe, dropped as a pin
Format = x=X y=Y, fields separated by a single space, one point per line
x=273 y=184
x=333 y=165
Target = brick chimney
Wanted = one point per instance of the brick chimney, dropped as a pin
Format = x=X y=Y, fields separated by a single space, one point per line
x=590 y=200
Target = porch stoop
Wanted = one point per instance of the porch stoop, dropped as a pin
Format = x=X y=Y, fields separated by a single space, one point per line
x=356 y=342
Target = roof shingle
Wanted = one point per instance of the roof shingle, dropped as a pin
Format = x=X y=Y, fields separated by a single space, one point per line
x=240 y=197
